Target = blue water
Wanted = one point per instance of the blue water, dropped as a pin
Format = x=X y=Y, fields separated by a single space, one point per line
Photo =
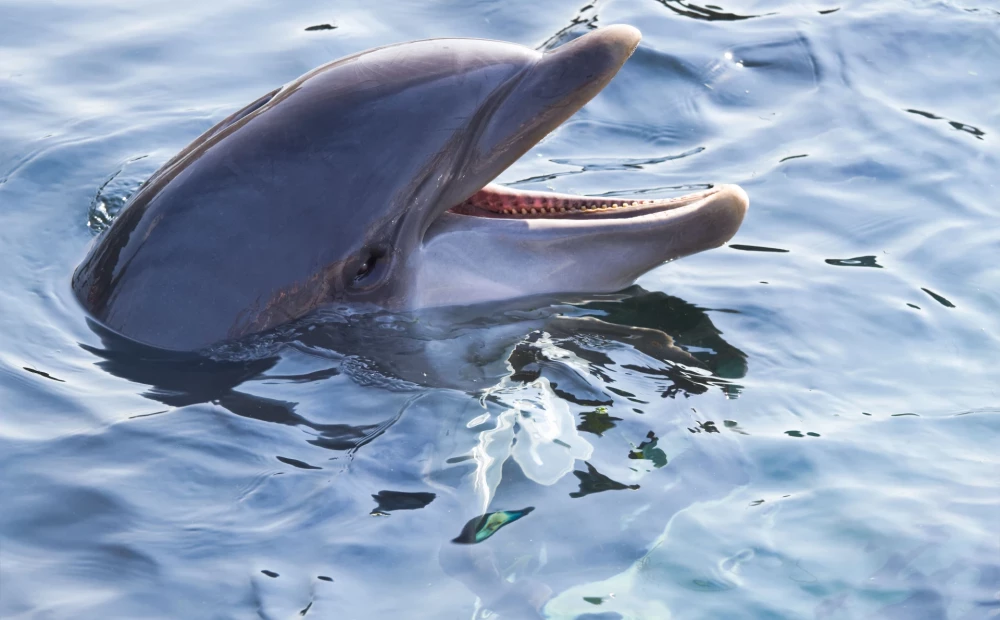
x=837 y=457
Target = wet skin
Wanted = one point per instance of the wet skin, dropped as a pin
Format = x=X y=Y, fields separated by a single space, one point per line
x=367 y=181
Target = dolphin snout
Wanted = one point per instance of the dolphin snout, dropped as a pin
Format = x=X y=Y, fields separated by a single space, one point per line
x=618 y=41
x=730 y=209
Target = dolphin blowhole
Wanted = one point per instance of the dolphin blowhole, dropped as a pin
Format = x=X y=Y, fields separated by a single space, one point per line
x=369 y=180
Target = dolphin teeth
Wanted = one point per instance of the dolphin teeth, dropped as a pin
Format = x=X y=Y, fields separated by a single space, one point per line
x=524 y=211
x=614 y=206
x=533 y=212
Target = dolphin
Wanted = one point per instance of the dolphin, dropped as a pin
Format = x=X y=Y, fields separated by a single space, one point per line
x=367 y=182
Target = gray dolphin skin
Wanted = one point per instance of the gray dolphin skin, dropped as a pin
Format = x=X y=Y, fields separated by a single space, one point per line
x=368 y=181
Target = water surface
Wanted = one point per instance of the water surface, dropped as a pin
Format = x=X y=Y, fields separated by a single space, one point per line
x=820 y=441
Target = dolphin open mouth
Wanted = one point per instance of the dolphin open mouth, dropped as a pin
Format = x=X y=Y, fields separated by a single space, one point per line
x=496 y=201
x=486 y=242
x=560 y=83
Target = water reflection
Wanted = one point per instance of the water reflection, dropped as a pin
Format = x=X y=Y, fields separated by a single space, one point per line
x=389 y=501
x=593 y=481
x=183 y=379
x=556 y=418
x=460 y=351
x=708 y=12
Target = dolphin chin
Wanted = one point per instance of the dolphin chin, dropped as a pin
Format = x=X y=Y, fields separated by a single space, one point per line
x=369 y=181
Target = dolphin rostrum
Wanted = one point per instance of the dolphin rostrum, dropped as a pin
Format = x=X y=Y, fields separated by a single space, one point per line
x=368 y=181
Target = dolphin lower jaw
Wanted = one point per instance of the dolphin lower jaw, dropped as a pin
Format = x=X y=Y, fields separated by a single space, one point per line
x=475 y=253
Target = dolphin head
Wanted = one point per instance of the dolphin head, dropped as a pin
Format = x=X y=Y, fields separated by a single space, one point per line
x=368 y=180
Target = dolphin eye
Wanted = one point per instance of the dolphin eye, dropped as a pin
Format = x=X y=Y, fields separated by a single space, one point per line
x=366 y=268
x=370 y=266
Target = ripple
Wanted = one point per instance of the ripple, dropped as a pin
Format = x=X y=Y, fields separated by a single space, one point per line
x=708 y=12
x=858 y=261
x=296 y=463
x=584 y=20
x=389 y=501
x=975 y=132
x=593 y=481
x=606 y=164
x=938 y=298
x=755 y=248
x=113 y=194
x=42 y=373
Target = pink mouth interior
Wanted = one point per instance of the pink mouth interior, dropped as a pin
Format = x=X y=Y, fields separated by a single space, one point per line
x=501 y=202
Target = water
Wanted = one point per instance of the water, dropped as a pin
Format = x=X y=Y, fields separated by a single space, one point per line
x=836 y=456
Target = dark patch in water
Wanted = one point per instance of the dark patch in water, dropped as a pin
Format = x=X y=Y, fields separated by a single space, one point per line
x=270 y=573
x=969 y=129
x=941 y=300
x=611 y=164
x=629 y=163
x=828 y=11
x=576 y=400
x=43 y=374
x=389 y=501
x=784 y=159
x=755 y=248
x=688 y=326
x=690 y=187
x=584 y=20
x=709 y=12
x=296 y=463
x=800 y=434
x=858 y=261
x=325 y=578
x=308 y=377
x=597 y=422
x=147 y=415
x=321 y=27
x=593 y=481
x=733 y=426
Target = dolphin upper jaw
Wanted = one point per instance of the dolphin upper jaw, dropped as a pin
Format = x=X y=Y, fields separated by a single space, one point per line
x=531 y=104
